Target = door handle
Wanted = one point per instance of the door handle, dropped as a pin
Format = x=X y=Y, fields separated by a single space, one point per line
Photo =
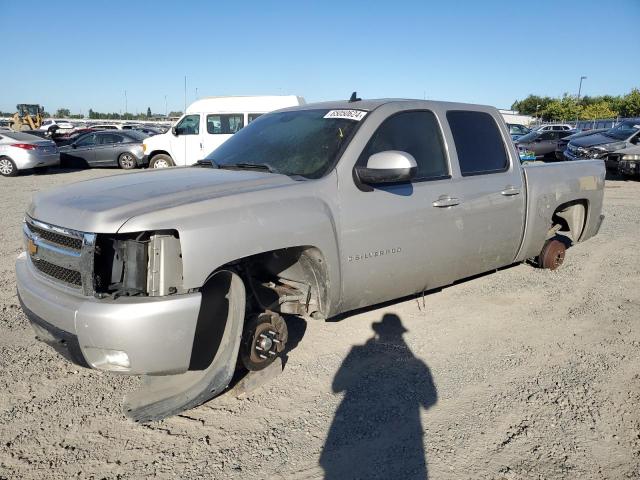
x=446 y=201
x=510 y=191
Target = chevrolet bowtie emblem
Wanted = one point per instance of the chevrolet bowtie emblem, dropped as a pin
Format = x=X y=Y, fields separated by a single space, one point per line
x=32 y=247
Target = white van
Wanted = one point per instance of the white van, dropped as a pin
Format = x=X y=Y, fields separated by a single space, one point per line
x=207 y=123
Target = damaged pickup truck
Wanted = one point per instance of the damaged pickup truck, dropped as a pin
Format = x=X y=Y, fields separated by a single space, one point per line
x=184 y=275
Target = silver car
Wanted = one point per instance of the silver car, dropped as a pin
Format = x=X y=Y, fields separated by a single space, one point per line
x=21 y=151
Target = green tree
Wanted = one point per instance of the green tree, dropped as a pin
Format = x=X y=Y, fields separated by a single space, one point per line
x=63 y=113
x=630 y=104
x=598 y=110
x=529 y=105
x=175 y=114
x=565 y=108
x=148 y=112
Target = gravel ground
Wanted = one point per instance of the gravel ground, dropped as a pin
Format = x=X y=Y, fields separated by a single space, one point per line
x=519 y=374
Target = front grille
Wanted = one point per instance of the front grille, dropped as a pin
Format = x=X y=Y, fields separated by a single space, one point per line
x=56 y=238
x=60 y=254
x=71 y=277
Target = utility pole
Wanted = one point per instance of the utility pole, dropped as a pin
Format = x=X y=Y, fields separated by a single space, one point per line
x=125 y=102
x=578 y=101
x=196 y=93
x=185 y=93
x=166 y=112
x=580 y=87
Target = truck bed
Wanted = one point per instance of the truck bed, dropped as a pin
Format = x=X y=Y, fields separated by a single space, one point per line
x=550 y=185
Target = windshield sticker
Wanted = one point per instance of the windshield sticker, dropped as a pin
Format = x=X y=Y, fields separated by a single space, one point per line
x=356 y=115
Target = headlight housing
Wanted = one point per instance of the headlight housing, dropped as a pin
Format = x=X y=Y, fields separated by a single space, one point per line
x=138 y=264
x=631 y=157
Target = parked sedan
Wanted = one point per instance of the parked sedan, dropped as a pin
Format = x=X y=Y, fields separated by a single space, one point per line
x=106 y=149
x=21 y=151
x=516 y=130
x=542 y=143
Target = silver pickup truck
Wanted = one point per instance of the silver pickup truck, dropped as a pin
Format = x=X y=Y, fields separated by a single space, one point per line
x=184 y=275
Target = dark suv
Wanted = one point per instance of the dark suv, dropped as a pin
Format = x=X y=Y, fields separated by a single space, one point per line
x=600 y=145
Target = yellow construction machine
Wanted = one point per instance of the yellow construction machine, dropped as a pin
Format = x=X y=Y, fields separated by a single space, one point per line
x=28 y=117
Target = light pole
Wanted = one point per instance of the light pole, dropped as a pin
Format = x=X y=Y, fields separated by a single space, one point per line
x=165 y=106
x=580 y=87
x=537 y=107
x=125 y=102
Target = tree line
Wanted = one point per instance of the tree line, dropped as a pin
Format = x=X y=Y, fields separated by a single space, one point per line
x=569 y=107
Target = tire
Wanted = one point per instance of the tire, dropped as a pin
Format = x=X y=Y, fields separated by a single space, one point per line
x=161 y=161
x=213 y=358
x=127 y=161
x=552 y=254
x=7 y=167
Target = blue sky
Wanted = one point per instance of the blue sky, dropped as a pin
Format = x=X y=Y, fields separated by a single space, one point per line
x=83 y=55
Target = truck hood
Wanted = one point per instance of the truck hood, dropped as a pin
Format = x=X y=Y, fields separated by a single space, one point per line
x=104 y=205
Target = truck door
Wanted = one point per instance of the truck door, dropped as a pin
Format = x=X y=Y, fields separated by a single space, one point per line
x=220 y=127
x=397 y=240
x=186 y=144
x=492 y=214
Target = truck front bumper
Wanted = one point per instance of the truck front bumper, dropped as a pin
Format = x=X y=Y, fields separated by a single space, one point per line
x=129 y=335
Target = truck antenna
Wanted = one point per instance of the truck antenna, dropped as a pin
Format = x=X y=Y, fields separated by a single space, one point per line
x=354 y=97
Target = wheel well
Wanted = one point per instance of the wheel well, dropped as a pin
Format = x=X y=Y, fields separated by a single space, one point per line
x=158 y=152
x=291 y=280
x=570 y=218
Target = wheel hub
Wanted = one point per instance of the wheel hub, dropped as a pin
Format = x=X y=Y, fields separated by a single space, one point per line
x=265 y=338
x=5 y=167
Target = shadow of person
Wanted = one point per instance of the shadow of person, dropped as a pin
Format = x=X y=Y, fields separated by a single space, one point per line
x=376 y=431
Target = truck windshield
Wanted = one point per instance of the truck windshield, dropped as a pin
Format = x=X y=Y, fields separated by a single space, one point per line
x=299 y=142
x=623 y=130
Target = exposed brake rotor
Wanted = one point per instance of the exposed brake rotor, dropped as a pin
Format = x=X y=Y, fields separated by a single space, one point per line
x=264 y=339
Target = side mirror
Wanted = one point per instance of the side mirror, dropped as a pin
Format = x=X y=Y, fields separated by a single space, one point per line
x=74 y=145
x=174 y=131
x=388 y=167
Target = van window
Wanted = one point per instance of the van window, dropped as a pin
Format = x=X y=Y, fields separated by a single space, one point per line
x=252 y=116
x=224 y=124
x=478 y=142
x=416 y=133
x=189 y=125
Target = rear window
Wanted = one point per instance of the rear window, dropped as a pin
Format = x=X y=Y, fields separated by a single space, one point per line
x=478 y=142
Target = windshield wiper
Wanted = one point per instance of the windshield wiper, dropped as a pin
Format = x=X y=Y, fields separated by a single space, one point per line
x=206 y=163
x=247 y=166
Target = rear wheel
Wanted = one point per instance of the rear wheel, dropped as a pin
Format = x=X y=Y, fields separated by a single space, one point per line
x=127 y=161
x=7 y=167
x=552 y=254
x=161 y=161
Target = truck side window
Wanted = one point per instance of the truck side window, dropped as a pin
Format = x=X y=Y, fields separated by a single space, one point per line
x=252 y=116
x=226 y=124
x=190 y=125
x=417 y=133
x=478 y=142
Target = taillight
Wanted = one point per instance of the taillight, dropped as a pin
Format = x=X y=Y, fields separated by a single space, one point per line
x=24 y=146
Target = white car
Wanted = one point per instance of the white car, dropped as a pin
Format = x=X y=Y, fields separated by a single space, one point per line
x=554 y=127
x=207 y=123
x=63 y=126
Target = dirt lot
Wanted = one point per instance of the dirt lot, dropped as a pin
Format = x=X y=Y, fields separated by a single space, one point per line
x=520 y=374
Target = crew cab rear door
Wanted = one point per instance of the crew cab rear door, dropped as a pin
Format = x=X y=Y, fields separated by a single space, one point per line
x=489 y=176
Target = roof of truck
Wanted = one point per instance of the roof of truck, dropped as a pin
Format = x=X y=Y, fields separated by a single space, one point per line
x=371 y=104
